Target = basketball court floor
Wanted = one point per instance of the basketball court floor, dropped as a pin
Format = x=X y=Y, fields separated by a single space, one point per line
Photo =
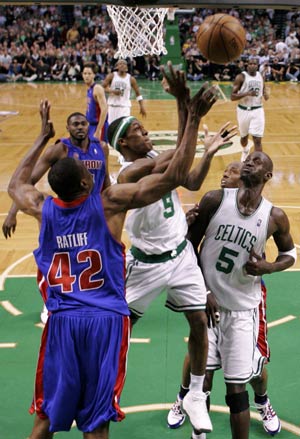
x=156 y=354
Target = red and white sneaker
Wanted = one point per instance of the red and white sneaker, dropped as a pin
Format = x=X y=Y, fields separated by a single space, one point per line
x=269 y=418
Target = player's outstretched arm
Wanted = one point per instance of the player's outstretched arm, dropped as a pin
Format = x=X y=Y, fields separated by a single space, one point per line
x=20 y=188
x=174 y=83
x=42 y=166
x=212 y=144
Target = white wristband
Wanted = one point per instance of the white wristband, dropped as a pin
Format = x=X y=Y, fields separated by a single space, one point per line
x=292 y=253
x=139 y=98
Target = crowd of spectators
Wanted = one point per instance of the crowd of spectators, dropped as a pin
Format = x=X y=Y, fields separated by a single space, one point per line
x=43 y=43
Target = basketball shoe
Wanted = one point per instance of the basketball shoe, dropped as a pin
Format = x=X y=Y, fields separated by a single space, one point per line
x=194 y=404
x=176 y=417
x=271 y=422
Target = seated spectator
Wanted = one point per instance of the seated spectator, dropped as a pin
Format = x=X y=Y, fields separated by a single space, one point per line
x=29 y=70
x=194 y=70
x=153 y=69
x=277 y=70
x=15 y=70
x=265 y=71
x=263 y=57
x=59 y=70
x=73 y=71
x=43 y=71
x=223 y=74
x=139 y=67
x=5 y=61
x=292 y=72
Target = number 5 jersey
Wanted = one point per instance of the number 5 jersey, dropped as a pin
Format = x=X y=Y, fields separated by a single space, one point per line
x=229 y=239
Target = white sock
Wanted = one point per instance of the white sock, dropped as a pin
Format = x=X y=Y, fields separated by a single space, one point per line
x=196 y=384
x=246 y=148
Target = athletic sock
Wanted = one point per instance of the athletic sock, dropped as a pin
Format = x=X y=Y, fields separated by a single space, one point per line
x=196 y=384
x=260 y=399
x=183 y=391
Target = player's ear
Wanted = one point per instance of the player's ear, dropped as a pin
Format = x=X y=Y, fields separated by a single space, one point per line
x=268 y=175
x=122 y=142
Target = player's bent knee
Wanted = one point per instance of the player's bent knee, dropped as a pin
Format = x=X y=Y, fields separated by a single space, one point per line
x=238 y=402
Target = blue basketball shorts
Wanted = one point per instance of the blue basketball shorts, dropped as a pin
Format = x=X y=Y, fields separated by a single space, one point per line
x=81 y=369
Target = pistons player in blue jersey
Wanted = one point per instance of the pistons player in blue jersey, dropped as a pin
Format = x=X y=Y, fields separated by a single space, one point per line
x=79 y=146
x=82 y=360
x=96 y=112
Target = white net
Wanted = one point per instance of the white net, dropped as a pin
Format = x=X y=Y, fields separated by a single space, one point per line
x=139 y=30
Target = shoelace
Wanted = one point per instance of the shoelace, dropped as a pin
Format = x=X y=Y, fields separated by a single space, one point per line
x=267 y=412
x=177 y=408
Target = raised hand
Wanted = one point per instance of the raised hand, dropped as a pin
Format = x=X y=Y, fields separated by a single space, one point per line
x=212 y=142
x=47 y=128
x=175 y=83
x=203 y=100
x=9 y=226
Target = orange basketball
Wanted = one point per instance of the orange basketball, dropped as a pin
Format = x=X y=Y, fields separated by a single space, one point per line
x=221 y=38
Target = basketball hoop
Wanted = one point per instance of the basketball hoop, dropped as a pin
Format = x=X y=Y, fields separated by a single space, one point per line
x=139 y=30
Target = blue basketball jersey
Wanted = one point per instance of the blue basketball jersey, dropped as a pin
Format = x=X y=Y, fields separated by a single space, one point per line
x=92 y=114
x=83 y=265
x=93 y=159
x=92 y=110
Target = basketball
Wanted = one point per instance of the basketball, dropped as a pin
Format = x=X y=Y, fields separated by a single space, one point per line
x=221 y=38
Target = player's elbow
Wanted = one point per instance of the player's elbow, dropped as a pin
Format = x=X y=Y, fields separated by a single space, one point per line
x=12 y=187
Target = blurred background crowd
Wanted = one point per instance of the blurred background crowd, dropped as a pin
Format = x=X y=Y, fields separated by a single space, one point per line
x=43 y=43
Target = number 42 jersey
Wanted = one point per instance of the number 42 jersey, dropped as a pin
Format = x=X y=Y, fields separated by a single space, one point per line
x=229 y=239
x=81 y=263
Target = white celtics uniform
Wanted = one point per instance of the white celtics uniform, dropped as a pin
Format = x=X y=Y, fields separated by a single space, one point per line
x=119 y=106
x=250 y=112
x=161 y=259
x=229 y=238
